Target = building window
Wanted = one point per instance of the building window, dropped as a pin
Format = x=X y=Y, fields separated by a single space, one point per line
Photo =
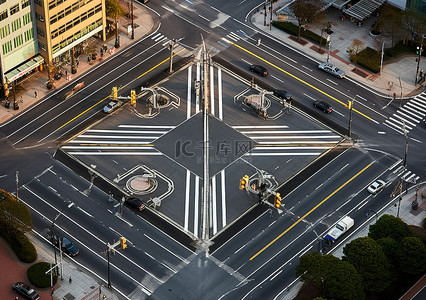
x=40 y=18
x=3 y=15
x=25 y=3
x=17 y=41
x=14 y=9
x=7 y=47
x=29 y=34
x=38 y=2
x=40 y=31
x=27 y=18
x=4 y=31
x=41 y=46
x=16 y=25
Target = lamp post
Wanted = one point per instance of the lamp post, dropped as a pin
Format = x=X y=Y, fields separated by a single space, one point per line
x=59 y=240
x=329 y=45
x=350 y=106
x=406 y=144
x=133 y=26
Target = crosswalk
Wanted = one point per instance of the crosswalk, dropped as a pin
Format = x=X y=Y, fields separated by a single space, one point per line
x=280 y=141
x=406 y=175
x=408 y=116
x=126 y=140
x=159 y=37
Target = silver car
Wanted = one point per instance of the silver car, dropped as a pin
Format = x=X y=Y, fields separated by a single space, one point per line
x=333 y=70
x=376 y=186
x=111 y=106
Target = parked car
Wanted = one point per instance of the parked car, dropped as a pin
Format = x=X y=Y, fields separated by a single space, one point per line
x=376 y=186
x=333 y=70
x=284 y=95
x=111 y=106
x=25 y=290
x=67 y=246
x=262 y=71
x=324 y=106
x=135 y=203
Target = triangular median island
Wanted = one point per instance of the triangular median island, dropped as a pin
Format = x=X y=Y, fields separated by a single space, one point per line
x=184 y=144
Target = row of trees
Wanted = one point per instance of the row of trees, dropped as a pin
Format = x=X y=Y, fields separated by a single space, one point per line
x=394 y=23
x=390 y=252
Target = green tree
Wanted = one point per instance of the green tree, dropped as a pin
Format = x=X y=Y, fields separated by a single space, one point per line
x=414 y=24
x=414 y=256
x=14 y=215
x=390 y=22
x=334 y=278
x=370 y=261
x=354 y=49
x=114 y=10
x=307 y=12
x=389 y=226
x=393 y=252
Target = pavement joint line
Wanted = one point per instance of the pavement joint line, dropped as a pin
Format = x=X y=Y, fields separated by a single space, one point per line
x=309 y=212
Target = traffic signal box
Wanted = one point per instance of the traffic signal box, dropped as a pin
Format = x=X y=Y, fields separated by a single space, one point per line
x=277 y=203
x=244 y=182
x=123 y=243
x=132 y=97
x=114 y=93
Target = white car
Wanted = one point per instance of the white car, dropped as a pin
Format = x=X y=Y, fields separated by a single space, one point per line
x=113 y=105
x=333 y=70
x=376 y=186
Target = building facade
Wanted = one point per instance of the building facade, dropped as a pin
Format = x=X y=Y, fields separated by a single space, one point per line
x=19 y=52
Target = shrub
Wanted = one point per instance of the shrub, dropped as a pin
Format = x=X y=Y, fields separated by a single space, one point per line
x=369 y=59
x=37 y=275
x=294 y=30
x=22 y=247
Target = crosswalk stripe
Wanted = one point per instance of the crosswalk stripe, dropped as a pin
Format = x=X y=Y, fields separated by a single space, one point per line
x=405 y=120
x=109 y=142
x=409 y=178
x=394 y=127
x=415 y=107
x=412 y=110
x=417 y=178
x=146 y=126
x=406 y=174
x=402 y=124
x=285 y=131
x=126 y=131
x=116 y=137
x=396 y=170
x=157 y=35
x=418 y=103
x=406 y=110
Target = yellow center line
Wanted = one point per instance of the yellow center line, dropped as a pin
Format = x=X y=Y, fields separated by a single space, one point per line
x=297 y=78
x=80 y=114
x=308 y=213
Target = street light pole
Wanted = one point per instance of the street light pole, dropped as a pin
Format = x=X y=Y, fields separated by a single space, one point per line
x=406 y=146
x=133 y=26
x=351 y=104
x=418 y=60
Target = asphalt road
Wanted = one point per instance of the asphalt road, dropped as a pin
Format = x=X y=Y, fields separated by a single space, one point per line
x=260 y=259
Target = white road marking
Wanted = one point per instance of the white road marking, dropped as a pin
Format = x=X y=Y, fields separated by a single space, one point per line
x=273 y=277
x=212 y=89
x=294 y=137
x=147 y=126
x=168 y=250
x=214 y=207
x=115 y=153
x=50 y=170
x=329 y=80
x=286 y=131
x=309 y=69
x=186 y=220
x=126 y=131
x=116 y=137
x=197 y=193
x=297 y=142
x=337 y=112
x=108 y=148
x=188 y=94
x=222 y=177
x=282 y=154
x=106 y=142
x=197 y=97
x=202 y=17
x=290 y=148
x=219 y=86
x=260 y=126
x=276 y=78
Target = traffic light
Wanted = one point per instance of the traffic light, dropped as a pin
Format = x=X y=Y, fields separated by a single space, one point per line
x=350 y=104
x=277 y=200
x=123 y=243
x=114 y=93
x=132 y=97
x=418 y=50
x=243 y=182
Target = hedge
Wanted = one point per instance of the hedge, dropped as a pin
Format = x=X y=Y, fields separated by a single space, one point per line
x=37 y=274
x=294 y=30
x=369 y=59
x=22 y=247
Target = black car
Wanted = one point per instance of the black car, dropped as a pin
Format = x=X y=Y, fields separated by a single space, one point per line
x=324 y=106
x=135 y=203
x=284 y=95
x=25 y=290
x=259 y=70
x=67 y=246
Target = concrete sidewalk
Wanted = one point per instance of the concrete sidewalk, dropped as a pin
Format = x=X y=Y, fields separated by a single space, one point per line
x=344 y=32
x=145 y=22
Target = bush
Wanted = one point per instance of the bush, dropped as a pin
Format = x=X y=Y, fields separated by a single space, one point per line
x=294 y=30
x=37 y=275
x=369 y=59
x=400 y=49
x=22 y=247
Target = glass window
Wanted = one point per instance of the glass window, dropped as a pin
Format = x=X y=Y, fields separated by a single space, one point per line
x=16 y=25
x=7 y=47
x=4 y=31
x=29 y=34
x=41 y=46
x=3 y=15
x=25 y=3
x=14 y=9
x=17 y=41
x=38 y=2
x=27 y=18
x=40 y=31
x=40 y=18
